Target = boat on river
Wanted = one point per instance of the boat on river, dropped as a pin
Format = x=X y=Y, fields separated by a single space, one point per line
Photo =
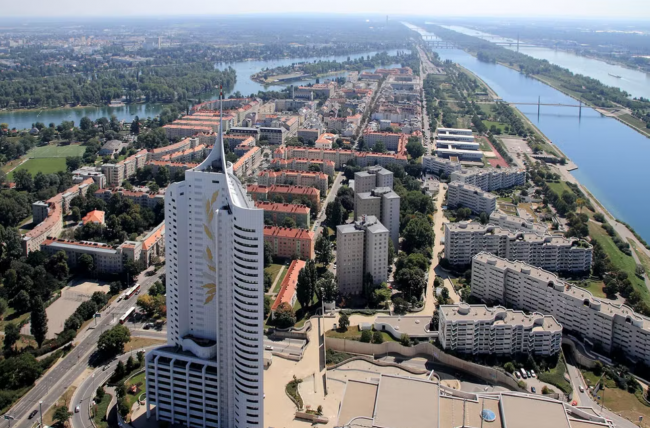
x=614 y=75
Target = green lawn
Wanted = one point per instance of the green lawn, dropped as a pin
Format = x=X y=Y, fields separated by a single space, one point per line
x=44 y=165
x=560 y=187
x=53 y=151
x=595 y=287
x=353 y=333
x=142 y=388
x=273 y=270
x=641 y=254
x=11 y=316
x=620 y=260
x=627 y=404
x=499 y=125
x=280 y=279
x=100 y=411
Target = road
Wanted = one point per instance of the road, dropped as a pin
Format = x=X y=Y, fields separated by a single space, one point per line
x=84 y=394
x=584 y=399
x=316 y=227
x=55 y=382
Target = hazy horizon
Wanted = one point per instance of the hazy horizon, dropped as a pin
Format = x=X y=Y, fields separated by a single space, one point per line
x=638 y=10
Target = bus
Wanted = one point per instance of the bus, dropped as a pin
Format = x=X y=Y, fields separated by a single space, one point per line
x=130 y=292
x=126 y=316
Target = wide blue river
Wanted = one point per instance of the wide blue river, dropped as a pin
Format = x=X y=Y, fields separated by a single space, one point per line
x=612 y=158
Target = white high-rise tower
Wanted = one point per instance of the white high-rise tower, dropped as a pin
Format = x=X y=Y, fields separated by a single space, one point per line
x=211 y=370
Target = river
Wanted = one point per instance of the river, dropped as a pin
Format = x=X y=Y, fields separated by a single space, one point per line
x=612 y=157
x=24 y=119
x=634 y=82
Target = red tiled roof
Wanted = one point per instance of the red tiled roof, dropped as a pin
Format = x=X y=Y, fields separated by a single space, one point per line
x=288 y=232
x=289 y=284
x=284 y=208
x=95 y=216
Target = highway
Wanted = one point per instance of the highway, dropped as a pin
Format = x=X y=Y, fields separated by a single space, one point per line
x=55 y=382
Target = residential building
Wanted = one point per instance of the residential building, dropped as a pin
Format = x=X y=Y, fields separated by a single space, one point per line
x=341 y=157
x=372 y=177
x=276 y=213
x=85 y=172
x=153 y=244
x=210 y=372
x=512 y=222
x=144 y=199
x=248 y=162
x=271 y=135
x=285 y=193
x=463 y=240
x=290 y=242
x=440 y=166
x=324 y=141
x=309 y=133
x=361 y=248
x=106 y=259
x=243 y=131
x=183 y=131
x=599 y=322
x=383 y=203
x=173 y=167
x=94 y=216
x=48 y=216
x=117 y=172
x=187 y=143
x=478 y=329
x=465 y=195
x=391 y=140
x=287 y=293
x=318 y=180
x=491 y=179
x=298 y=164
x=233 y=140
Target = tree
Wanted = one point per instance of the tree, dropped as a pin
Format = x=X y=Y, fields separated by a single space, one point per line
x=61 y=415
x=267 y=306
x=120 y=371
x=12 y=335
x=411 y=282
x=130 y=364
x=405 y=340
x=305 y=287
x=379 y=147
x=86 y=263
x=391 y=253
x=76 y=214
x=135 y=126
x=111 y=342
x=381 y=295
x=328 y=287
x=23 y=180
x=289 y=222
x=334 y=213
x=21 y=301
x=3 y=307
x=509 y=367
x=38 y=321
x=99 y=393
x=366 y=336
x=268 y=254
x=323 y=248
x=284 y=316
x=73 y=162
x=483 y=218
x=162 y=176
x=415 y=149
x=418 y=234
x=377 y=338
x=344 y=322
x=597 y=368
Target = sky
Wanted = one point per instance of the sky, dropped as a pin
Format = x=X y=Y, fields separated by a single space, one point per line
x=636 y=9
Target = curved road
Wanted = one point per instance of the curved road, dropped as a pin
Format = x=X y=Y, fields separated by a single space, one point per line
x=84 y=394
x=57 y=380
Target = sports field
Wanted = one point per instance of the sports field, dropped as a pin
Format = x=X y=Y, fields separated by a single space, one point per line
x=52 y=151
x=44 y=165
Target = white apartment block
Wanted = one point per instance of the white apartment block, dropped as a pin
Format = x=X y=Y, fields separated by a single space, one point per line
x=454 y=131
x=440 y=166
x=491 y=179
x=383 y=203
x=463 y=240
x=478 y=329
x=362 y=247
x=522 y=286
x=472 y=197
x=391 y=140
x=372 y=177
x=512 y=222
x=210 y=373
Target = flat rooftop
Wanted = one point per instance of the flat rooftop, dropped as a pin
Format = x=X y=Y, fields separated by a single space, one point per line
x=414 y=326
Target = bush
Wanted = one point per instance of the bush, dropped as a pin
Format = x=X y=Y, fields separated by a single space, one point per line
x=344 y=322
x=509 y=367
x=599 y=217
x=366 y=336
x=405 y=340
x=377 y=338
x=522 y=384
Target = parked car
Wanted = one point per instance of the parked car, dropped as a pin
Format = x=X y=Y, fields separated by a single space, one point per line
x=533 y=389
x=529 y=374
x=532 y=373
x=77 y=409
x=31 y=415
x=517 y=375
x=524 y=375
x=268 y=347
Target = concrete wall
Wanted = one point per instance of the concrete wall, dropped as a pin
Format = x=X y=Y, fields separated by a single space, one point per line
x=488 y=374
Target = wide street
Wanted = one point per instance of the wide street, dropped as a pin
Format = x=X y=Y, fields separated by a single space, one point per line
x=316 y=227
x=57 y=380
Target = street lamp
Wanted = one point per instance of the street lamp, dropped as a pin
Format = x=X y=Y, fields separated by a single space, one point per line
x=40 y=411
